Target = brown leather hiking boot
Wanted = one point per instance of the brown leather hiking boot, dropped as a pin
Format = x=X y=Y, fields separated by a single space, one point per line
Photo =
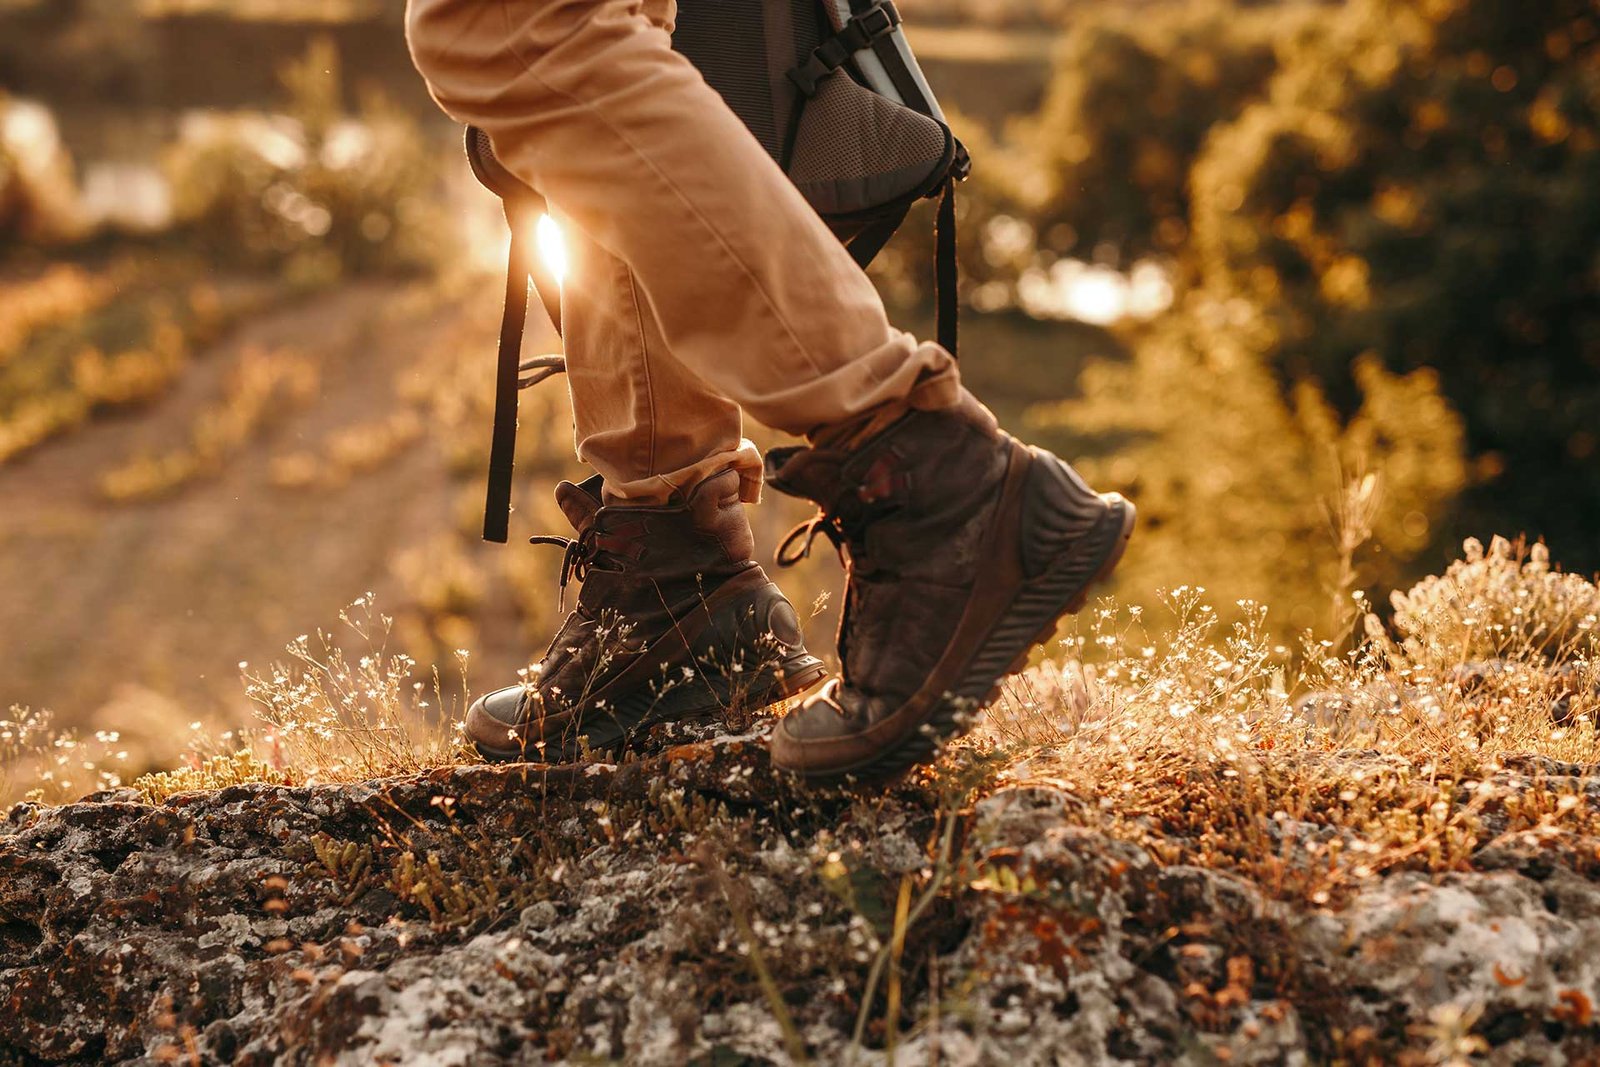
x=675 y=622
x=964 y=548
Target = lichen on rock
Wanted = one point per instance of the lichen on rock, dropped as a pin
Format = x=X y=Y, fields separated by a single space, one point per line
x=650 y=911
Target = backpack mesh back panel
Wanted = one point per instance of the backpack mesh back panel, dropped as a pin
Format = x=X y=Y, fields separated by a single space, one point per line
x=832 y=92
x=728 y=43
x=857 y=153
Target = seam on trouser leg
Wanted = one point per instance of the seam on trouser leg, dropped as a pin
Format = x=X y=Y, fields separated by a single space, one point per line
x=669 y=184
x=641 y=427
x=461 y=31
x=644 y=367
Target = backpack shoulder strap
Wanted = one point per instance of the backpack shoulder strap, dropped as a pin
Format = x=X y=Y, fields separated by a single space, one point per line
x=503 y=442
x=523 y=205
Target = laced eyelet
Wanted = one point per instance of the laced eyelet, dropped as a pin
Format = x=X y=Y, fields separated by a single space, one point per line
x=579 y=556
x=806 y=534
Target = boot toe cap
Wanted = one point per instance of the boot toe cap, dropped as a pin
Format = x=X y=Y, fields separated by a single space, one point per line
x=828 y=734
x=506 y=706
x=496 y=722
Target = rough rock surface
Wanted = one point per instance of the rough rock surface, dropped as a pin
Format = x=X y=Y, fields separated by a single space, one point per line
x=693 y=908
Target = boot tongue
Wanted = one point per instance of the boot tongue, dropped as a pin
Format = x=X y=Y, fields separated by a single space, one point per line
x=811 y=473
x=579 y=503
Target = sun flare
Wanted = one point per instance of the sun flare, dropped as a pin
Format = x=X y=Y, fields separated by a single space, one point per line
x=552 y=247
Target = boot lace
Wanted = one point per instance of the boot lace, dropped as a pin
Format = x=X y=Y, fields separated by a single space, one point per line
x=795 y=547
x=580 y=553
x=881 y=491
x=823 y=524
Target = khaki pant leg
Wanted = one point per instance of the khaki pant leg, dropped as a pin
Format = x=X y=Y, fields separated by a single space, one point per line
x=586 y=101
x=642 y=419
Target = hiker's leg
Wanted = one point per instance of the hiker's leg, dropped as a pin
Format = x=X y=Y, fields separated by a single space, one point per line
x=586 y=101
x=643 y=421
x=965 y=545
x=676 y=621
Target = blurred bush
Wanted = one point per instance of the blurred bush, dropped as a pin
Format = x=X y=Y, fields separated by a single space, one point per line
x=1421 y=183
x=313 y=191
x=38 y=197
x=74 y=342
x=1237 y=481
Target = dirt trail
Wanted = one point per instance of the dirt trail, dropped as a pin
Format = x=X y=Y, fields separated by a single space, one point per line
x=135 y=616
x=171 y=594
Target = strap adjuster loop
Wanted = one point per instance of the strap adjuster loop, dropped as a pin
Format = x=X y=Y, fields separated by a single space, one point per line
x=879 y=20
x=861 y=32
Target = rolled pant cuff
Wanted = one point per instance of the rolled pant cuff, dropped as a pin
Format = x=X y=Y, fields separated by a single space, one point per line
x=675 y=485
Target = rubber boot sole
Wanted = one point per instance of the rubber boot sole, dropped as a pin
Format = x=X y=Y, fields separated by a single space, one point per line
x=701 y=700
x=668 y=682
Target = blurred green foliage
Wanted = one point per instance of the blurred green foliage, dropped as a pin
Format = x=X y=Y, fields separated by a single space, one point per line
x=1238 y=482
x=1383 y=219
x=1423 y=183
x=313 y=190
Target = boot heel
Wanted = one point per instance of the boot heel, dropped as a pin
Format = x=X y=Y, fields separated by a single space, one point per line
x=1059 y=512
x=1063 y=589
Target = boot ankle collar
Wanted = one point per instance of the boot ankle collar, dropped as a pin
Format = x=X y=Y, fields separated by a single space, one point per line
x=841 y=483
x=849 y=490
x=581 y=502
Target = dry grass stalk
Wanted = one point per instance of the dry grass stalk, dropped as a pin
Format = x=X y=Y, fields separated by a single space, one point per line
x=333 y=718
x=1403 y=752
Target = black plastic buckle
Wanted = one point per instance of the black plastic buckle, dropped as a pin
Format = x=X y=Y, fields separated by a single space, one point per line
x=823 y=61
x=961 y=165
x=878 y=21
x=860 y=32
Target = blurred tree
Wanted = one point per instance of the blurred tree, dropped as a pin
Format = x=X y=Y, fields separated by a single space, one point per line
x=1236 y=480
x=1128 y=109
x=1101 y=170
x=1423 y=183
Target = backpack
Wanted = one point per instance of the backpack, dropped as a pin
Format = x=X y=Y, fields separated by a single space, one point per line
x=831 y=90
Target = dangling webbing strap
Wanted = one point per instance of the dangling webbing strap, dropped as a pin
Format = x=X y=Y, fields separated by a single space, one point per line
x=866 y=245
x=524 y=270
x=946 y=272
x=503 y=445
